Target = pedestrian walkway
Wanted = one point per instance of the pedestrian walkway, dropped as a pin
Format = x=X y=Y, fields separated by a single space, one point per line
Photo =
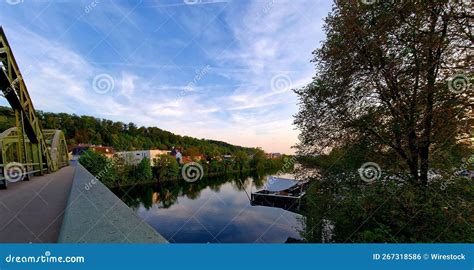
x=32 y=211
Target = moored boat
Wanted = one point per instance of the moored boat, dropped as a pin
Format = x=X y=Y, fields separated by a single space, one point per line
x=281 y=192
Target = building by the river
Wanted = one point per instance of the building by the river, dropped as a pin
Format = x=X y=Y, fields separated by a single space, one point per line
x=135 y=157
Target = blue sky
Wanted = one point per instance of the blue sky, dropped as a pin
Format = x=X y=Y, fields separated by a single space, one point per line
x=212 y=69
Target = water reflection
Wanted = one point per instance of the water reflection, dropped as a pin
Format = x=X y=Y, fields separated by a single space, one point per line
x=213 y=210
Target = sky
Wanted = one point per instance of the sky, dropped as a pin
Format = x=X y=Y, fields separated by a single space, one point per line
x=214 y=69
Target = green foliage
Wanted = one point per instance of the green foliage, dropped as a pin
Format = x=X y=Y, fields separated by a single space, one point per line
x=100 y=166
x=379 y=95
x=192 y=151
x=7 y=119
x=121 y=136
x=241 y=160
x=116 y=172
x=378 y=80
x=144 y=170
x=390 y=211
x=258 y=160
x=166 y=167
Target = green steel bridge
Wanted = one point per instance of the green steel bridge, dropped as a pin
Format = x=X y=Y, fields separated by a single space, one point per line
x=26 y=149
x=54 y=206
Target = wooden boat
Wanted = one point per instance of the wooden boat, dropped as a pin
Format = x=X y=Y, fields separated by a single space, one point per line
x=281 y=192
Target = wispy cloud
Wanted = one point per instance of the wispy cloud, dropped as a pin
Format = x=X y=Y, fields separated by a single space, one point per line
x=213 y=69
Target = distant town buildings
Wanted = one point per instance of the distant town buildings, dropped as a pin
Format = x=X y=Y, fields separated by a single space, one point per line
x=179 y=157
x=183 y=159
x=78 y=150
x=135 y=157
x=273 y=155
x=187 y=159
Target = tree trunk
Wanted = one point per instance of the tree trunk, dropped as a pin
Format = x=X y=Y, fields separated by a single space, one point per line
x=424 y=165
x=413 y=165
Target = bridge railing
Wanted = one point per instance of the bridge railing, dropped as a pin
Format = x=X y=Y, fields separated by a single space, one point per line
x=96 y=215
x=15 y=172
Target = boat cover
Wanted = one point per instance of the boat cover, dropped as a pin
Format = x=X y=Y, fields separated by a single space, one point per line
x=276 y=184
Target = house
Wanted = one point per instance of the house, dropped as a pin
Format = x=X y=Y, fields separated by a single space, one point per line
x=273 y=155
x=79 y=149
x=227 y=157
x=179 y=157
x=135 y=157
x=187 y=159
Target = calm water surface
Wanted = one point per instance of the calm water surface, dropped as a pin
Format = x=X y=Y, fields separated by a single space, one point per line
x=212 y=210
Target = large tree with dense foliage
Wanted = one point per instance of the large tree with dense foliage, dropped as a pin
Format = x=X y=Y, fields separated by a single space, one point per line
x=384 y=75
x=101 y=167
x=166 y=167
x=241 y=160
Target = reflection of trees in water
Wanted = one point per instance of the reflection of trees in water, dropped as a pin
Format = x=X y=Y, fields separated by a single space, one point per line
x=258 y=179
x=164 y=195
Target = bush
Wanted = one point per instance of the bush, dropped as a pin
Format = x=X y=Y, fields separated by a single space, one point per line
x=100 y=166
x=144 y=171
x=390 y=211
x=166 y=167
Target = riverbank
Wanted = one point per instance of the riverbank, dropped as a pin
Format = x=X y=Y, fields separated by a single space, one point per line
x=116 y=172
x=211 y=176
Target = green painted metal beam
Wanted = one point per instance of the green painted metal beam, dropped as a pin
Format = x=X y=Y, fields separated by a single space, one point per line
x=27 y=143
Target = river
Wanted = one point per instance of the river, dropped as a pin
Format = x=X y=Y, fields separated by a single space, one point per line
x=212 y=210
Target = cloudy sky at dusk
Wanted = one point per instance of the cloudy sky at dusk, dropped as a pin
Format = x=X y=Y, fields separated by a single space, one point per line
x=209 y=69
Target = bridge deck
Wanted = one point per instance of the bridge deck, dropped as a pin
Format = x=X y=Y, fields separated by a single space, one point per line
x=33 y=211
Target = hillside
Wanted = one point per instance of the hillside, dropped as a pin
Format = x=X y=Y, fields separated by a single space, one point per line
x=123 y=137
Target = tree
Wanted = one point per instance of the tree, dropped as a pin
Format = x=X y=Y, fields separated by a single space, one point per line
x=258 y=159
x=166 y=167
x=99 y=166
x=384 y=74
x=241 y=160
x=191 y=151
x=144 y=171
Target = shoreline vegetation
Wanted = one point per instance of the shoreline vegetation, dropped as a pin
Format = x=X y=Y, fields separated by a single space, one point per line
x=129 y=137
x=116 y=172
x=168 y=192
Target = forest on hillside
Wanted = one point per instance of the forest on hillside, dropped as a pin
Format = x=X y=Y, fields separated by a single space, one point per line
x=121 y=136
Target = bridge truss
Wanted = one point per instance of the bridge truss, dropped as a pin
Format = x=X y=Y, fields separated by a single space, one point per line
x=26 y=149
